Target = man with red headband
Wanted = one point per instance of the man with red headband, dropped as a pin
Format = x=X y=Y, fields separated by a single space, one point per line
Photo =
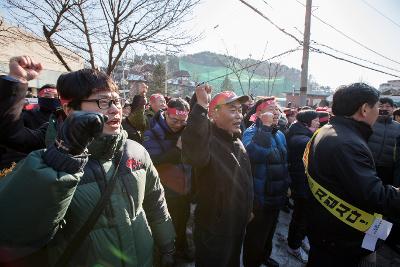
x=267 y=150
x=48 y=103
x=163 y=142
x=224 y=188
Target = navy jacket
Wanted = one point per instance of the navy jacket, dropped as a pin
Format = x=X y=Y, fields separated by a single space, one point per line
x=268 y=156
x=297 y=139
x=160 y=141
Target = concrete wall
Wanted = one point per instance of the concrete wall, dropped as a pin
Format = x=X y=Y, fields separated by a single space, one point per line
x=13 y=43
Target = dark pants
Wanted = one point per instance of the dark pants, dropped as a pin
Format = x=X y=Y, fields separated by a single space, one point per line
x=260 y=231
x=179 y=209
x=298 y=224
x=216 y=251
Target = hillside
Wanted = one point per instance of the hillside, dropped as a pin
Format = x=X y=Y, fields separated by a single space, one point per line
x=208 y=66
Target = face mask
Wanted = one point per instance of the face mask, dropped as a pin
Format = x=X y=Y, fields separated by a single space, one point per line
x=383 y=112
x=49 y=104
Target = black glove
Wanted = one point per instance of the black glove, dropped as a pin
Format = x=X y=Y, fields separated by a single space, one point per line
x=167 y=260
x=263 y=137
x=78 y=130
x=167 y=255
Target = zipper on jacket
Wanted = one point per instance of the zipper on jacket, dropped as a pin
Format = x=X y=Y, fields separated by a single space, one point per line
x=378 y=158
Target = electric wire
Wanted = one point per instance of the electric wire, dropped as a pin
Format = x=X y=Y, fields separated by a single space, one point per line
x=350 y=38
x=252 y=65
x=380 y=13
x=313 y=49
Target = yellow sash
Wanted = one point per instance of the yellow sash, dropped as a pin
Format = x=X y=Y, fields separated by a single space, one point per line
x=347 y=213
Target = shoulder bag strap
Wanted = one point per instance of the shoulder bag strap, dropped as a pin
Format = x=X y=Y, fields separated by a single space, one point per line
x=80 y=236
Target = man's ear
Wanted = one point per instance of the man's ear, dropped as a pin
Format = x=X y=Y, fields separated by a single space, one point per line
x=213 y=114
x=363 y=110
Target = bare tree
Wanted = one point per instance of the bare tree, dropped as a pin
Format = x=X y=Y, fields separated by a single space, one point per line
x=272 y=73
x=101 y=30
x=233 y=64
x=6 y=32
x=242 y=69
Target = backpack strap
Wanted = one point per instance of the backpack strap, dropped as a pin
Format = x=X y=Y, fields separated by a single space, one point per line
x=80 y=235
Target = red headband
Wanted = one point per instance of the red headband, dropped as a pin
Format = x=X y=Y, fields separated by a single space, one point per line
x=154 y=97
x=260 y=107
x=174 y=111
x=265 y=104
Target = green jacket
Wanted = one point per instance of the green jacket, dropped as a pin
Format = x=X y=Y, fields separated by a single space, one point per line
x=41 y=206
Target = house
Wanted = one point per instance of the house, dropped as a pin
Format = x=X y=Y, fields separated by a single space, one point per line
x=180 y=84
x=391 y=87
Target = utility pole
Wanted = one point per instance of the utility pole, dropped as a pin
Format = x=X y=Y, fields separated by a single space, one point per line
x=306 y=49
x=166 y=71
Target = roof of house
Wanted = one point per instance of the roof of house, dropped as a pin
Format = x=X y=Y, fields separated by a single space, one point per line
x=136 y=78
x=181 y=73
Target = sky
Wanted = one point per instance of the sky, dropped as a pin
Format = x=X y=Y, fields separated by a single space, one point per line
x=231 y=27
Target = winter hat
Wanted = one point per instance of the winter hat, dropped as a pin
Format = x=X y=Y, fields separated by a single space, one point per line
x=323 y=116
x=226 y=97
x=306 y=116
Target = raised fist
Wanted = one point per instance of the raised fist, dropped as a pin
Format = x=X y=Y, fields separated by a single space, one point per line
x=267 y=118
x=24 y=68
x=78 y=130
x=203 y=94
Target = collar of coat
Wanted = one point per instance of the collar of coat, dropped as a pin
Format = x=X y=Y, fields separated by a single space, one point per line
x=223 y=134
x=105 y=147
x=385 y=119
x=361 y=128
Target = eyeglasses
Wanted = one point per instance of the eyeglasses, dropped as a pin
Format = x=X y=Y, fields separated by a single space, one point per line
x=105 y=103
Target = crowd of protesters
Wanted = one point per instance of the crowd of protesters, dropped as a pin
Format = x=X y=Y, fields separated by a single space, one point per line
x=88 y=178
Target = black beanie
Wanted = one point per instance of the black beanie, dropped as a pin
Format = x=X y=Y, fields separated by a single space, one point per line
x=306 y=116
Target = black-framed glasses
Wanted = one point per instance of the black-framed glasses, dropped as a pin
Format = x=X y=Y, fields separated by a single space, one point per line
x=105 y=103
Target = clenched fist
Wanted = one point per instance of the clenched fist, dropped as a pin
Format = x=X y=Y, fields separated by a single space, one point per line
x=24 y=68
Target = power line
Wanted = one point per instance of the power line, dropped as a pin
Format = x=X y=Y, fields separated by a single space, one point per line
x=352 y=62
x=270 y=21
x=350 y=38
x=349 y=55
x=380 y=13
x=315 y=49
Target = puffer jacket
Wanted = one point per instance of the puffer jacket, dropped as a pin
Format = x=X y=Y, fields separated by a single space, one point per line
x=268 y=156
x=160 y=141
x=297 y=139
x=383 y=141
x=47 y=198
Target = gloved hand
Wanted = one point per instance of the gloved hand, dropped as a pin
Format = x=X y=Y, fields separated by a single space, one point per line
x=78 y=130
x=167 y=255
x=167 y=260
